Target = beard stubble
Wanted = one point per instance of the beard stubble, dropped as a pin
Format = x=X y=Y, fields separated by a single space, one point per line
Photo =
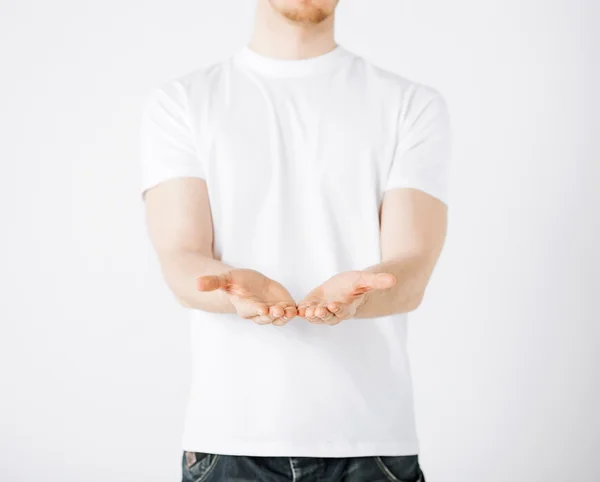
x=306 y=14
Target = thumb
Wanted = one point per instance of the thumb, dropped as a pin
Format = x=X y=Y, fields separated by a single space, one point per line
x=379 y=281
x=213 y=282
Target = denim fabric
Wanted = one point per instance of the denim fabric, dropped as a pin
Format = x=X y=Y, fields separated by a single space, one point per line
x=202 y=467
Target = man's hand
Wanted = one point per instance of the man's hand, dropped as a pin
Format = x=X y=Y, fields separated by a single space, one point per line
x=340 y=296
x=253 y=295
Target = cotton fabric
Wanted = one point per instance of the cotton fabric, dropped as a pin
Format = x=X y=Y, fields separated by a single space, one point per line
x=297 y=155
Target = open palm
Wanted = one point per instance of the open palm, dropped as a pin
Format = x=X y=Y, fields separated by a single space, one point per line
x=339 y=297
x=254 y=296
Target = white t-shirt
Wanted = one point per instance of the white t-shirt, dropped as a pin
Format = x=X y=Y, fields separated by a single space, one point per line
x=296 y=155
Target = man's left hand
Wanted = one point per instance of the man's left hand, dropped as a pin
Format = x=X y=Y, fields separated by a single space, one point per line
x=339 y=297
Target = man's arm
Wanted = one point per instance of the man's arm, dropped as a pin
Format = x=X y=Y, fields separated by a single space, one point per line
x=413 y=230
x=414 y=207
x=180 y=228
x=180 y=222
x=412 y=223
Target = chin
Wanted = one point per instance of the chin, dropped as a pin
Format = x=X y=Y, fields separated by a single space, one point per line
x=305 y=11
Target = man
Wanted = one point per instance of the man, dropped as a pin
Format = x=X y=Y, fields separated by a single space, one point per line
x=296 y=198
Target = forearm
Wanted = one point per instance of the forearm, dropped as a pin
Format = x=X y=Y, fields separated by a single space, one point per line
x=181 y=269
x=406 y=295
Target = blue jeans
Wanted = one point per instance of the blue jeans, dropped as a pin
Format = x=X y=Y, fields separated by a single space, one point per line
x=203 y=467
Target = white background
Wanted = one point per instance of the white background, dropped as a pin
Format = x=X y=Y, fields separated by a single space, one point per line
x=94 y=350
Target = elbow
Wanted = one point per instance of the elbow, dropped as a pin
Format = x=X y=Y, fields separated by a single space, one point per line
x=182 y=301
x=414 y=302
x=182 y=298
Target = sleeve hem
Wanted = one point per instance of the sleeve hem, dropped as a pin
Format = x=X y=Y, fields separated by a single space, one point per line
x=153 y=180
x=437 y=192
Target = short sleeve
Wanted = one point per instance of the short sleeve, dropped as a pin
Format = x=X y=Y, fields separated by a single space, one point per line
x=167 y=146
x=424 y=146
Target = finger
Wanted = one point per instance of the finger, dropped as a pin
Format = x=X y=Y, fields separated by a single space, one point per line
x=262 y=319
x=301 y=309
x=290 y=312
x=330 y=317
x=340 y=309
x=212 y=282
x=275 y=314
x=311 y=316
x=322 y=312
x=251 y=308
x=262 y=309
x=280 y=321
x=276 y=311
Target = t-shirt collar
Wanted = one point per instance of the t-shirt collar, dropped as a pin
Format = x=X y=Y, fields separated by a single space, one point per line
x=289 y=67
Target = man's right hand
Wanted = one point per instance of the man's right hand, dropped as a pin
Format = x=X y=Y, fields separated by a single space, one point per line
x=253 y=295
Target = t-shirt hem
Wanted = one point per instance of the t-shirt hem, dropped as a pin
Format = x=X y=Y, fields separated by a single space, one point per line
x=250 y=449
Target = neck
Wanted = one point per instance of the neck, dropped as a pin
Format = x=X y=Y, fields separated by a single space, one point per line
x=276 y=36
